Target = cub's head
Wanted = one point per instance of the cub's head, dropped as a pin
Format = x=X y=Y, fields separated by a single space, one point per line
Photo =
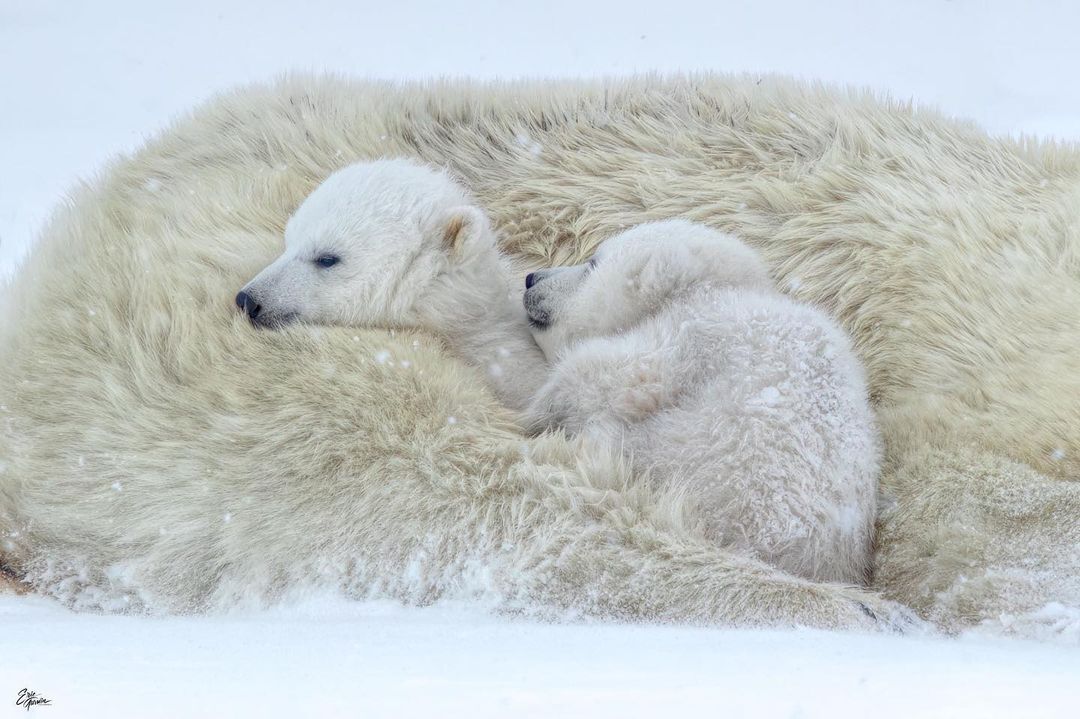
x=633 y=276
x=374 y=245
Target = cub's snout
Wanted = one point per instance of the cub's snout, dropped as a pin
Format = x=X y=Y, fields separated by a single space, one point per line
x=546 y=290
x=248 y=305
x=537 y=303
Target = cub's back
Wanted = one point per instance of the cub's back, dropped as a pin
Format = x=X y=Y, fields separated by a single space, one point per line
x=768 y=421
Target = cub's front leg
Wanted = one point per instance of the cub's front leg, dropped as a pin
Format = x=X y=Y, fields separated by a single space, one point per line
x=600 y=382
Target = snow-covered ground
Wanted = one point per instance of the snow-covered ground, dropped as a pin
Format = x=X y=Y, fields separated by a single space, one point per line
x=81 y=81
x=332 y=658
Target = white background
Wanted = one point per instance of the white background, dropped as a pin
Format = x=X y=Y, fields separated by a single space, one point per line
x=81 y=81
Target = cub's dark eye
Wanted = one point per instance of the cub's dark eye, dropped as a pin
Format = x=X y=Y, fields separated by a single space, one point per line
x=592 y=263
x=327 y=260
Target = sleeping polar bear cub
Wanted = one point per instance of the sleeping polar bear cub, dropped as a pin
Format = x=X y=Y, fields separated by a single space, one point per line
x=673 y=344
x=395 y=243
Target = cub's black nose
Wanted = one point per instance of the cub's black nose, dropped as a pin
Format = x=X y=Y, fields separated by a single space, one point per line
x=530 y=280
x=248 y=304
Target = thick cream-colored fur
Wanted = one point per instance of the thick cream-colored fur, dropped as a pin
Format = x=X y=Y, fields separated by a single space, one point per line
x=153 y=441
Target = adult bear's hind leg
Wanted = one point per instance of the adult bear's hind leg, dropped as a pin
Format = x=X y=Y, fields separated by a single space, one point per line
x=970 y=538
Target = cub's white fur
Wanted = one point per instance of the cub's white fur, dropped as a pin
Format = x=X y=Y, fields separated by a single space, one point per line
x=673 y=345
x=406 y=248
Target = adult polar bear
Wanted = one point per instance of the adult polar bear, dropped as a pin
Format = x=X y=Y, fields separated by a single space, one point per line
x=129 y=383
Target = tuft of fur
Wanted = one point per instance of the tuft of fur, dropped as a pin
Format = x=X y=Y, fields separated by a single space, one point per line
x=138 y=410
x=672 y=346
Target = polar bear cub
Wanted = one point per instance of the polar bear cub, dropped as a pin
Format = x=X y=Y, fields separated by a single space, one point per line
x=395 y=243
x=673 y=344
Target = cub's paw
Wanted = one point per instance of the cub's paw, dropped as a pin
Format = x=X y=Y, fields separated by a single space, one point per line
x=642 y=396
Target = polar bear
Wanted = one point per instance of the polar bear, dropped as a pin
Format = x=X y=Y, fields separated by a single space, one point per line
x=673 y=344
x=134 y=398
x=395 y=243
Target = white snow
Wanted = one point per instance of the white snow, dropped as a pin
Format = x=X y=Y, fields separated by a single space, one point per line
x=1052 y=622
x=84 y=81
x=769 y=396
x=328 y=658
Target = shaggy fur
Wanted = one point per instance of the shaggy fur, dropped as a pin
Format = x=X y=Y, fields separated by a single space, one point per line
x=672 y=346
x=157 y=448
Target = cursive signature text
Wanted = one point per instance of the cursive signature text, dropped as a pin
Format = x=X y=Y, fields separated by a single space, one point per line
x=28 y=699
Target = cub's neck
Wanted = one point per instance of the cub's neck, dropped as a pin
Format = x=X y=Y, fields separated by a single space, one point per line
x=484 y=323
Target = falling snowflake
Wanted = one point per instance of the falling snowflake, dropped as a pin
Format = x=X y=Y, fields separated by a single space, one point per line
x=530 y=145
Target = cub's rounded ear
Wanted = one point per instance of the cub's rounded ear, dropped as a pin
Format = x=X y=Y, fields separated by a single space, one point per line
x=461 y=227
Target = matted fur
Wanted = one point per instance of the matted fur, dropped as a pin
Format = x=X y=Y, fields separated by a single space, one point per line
x=157 y=450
